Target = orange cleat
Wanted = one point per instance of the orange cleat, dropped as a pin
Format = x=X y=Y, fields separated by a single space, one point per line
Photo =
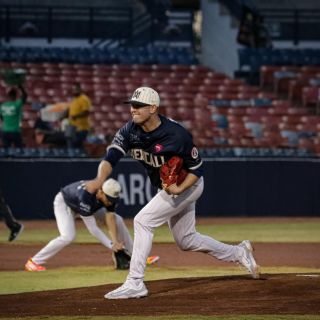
x=152 y=260
x=32 y=266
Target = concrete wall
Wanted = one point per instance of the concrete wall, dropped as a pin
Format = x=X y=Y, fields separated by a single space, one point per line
x=219 y=46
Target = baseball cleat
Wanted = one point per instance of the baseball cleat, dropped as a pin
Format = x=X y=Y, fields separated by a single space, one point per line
x=128 y=290
x=15 y=232
x=152 y=259
x=32 y=266
x=247 y=260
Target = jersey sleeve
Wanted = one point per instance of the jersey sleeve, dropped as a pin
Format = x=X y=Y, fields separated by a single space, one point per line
x=121 y=140
x=86 y=203
x=118 y=147
x=190 y=155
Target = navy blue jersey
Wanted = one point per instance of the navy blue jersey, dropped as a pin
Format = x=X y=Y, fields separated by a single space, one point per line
x=156 y=147
x=81 y=201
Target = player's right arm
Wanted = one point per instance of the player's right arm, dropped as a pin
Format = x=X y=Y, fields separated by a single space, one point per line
x=104 y=171
x=118 y=148
x=91 y=224
x=113 y=231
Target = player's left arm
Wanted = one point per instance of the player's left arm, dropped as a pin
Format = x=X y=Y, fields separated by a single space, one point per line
x=104 y=170
x=192 y=162
x=188 y=182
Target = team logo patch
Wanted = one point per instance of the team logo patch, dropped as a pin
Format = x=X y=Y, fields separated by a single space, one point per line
x=136 y=94
x=194 y=153
x=158 y=147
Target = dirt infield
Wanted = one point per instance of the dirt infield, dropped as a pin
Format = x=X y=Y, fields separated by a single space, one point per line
x=274 y=294
x=13 y=257
x=227 y=295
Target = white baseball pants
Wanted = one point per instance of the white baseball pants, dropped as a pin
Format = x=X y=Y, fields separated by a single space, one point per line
x=179 y=213
x=65 y=219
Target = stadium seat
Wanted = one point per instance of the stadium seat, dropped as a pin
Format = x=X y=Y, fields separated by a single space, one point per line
x=310 y=96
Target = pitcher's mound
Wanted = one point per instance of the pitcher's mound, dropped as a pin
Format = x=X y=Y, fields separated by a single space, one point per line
x=272 y=294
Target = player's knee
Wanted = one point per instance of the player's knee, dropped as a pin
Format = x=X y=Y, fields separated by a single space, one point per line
x=139 y=222
x=186 y=243
x=183 y=245
x=67 y=238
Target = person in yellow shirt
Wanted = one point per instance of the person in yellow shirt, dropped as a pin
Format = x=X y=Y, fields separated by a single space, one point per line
x=78 y=116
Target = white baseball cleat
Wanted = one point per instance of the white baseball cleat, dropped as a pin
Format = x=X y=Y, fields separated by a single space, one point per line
x=247 y=260
x=128 y=290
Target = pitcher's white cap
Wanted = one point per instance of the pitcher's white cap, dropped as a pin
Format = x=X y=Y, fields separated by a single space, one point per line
x=144 y=96
x=111 y=189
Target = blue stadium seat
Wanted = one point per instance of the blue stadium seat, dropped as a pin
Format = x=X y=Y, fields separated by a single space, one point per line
x=125 y=54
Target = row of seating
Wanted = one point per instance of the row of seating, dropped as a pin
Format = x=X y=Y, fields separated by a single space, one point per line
x=42 y=153
x=270 y=75
x=256 y=153
x=126 y=55
x=246 y=116
x=206 y=152
x=103 y=67
x=182 y=100
x=174 y=82
x=253 y=58
x=273 y=126
x=299 y=84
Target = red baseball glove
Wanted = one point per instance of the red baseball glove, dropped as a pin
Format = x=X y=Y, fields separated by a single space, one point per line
x=172 y=172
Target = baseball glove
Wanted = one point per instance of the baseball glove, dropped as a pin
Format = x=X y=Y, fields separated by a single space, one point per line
x=172 y=172
x=121 y=259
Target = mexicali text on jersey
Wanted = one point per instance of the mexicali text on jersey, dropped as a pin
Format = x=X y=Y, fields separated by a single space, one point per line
x=154 y=148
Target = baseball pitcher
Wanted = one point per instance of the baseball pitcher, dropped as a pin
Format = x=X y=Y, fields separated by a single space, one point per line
x=173 y=164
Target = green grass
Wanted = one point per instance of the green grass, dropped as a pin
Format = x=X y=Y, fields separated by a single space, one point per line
x=180 y=317
x=20 y=281
x=229 y=232
x=74 y=277
x=256 y=232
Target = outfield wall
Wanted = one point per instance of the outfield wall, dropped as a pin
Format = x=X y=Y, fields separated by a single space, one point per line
x=233 y=187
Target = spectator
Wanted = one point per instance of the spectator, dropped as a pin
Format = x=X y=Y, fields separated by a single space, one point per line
x=253 y=31
x=45 y=133
x=158 y=9
x=11 y=115
x=78 y=115
x=15 y=227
